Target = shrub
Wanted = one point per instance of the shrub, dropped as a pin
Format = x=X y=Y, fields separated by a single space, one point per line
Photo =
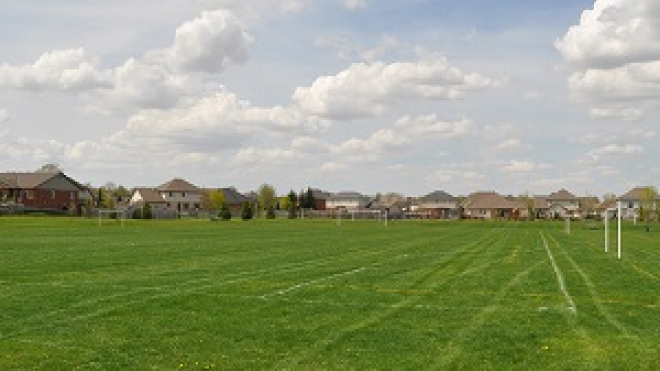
x=270 y=213
x=246 y=213
x=225 y=213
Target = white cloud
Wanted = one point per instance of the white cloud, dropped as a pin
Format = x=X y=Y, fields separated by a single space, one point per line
x=254 y=10
x=379 y=143
x=615 y=150
x=515 y=166
x=333 y=167
x=613 y=34
x=616 y=57
x=354 y=4
x=626 y=114
x=365 y=90
x=258 y=156
x=4 y=115
x=66 y=70
x=210 y=43
x=510 y=145
x=431 y=125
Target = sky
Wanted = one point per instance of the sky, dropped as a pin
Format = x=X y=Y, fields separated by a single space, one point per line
x=406 y=96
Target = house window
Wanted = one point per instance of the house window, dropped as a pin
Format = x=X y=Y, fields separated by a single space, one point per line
x=52 y=194
x=170 y=194
x=183 y=194
x=72 y=196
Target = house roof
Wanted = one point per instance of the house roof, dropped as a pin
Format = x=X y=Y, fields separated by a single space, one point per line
x=178 y=185
x=347 y=195
x=492 y=201
x=150 y=195
x=319 y=194
x=634 y=194
x=232 y=196
x=436 y=196
x=562 y=195
x=30 y=180
x=541 y=202
x=607 y=204
x=476 y=196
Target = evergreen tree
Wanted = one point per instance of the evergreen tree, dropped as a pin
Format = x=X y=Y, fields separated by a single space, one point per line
x=246 y=213
x=146 y=211
x=225 y=213
x=292 y=205
x=311 y=202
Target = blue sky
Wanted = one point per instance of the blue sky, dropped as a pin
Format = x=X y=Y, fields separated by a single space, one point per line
x=374 y=96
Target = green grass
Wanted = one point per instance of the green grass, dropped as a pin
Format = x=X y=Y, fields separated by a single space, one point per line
x=312 y=295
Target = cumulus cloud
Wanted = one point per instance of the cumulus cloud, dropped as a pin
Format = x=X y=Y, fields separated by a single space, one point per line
x=365 y=90
x=515 y=166
x=431 y=125
x=65 y=70
x=622 y=113
x=254 y=10
x=210 y=43
x=613 y=150
x=4 y=115
x=613 y=34
x=379 y=143
x=616 y=57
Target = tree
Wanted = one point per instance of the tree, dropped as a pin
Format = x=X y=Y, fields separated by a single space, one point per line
x=225 y=213
x=283 y=203
x=648 y=198
x=267 y=197
x=270 y=213
x=529 y=205
x=292 y=209
x=246 y=213
x=311 y=203
x=99 y=198
x=216 y=200
x=146 y=211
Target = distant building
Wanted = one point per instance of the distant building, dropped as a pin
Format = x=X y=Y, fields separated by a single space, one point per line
x=41 y=191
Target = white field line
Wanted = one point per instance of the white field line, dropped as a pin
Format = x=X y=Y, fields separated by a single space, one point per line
x=312 y=282
x=592 y=291
x=560 y=277
x=455 y=347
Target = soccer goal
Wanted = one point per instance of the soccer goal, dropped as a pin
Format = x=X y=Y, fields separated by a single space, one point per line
x=107 y=214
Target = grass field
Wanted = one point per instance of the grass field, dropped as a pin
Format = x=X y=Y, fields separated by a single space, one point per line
x=313 y=295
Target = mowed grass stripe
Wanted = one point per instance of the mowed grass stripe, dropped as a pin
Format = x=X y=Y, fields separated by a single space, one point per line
x=365 y=296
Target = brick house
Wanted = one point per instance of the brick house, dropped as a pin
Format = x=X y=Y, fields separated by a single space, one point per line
x=41 y=191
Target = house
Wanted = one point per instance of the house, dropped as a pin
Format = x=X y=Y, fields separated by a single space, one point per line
x=541 y=207
x=320 y=199
x=633 y=201
x=234 y=199
x=439 y=205
x=148 y=196
x=490 y=205
x=563 y=204
x=181 y=196
x=348 y=200
x=41 y=191
x=394 y=206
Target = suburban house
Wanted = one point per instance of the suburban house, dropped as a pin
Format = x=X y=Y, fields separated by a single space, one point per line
x=181 y=196
x=563 y=204
x=177 y=195
x=439 y=205
x=633 y=201
x=542 y=207
x=490 y=205
x=320 y=199
x=347 y=200
x=148 y=196
x=234 y=199
x=41 y=191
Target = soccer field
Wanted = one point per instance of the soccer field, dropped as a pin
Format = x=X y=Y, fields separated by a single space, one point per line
x=314 y=295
